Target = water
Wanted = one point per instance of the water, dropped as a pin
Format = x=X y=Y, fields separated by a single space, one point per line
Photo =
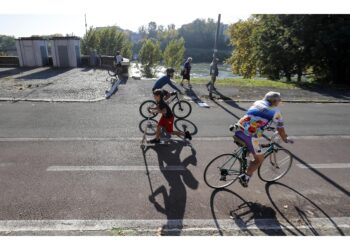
x=202 y=70
x=199 y=70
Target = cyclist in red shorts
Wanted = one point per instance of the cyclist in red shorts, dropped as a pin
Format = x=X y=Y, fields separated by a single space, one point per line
x=167 y=119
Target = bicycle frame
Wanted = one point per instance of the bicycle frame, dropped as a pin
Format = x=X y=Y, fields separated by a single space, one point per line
x=242 y=152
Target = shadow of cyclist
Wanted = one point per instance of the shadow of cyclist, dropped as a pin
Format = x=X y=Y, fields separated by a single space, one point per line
x=302 y=211
x=176 y=173
x=244 y=214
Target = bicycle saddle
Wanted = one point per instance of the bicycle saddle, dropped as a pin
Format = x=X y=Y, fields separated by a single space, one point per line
x=239 y=142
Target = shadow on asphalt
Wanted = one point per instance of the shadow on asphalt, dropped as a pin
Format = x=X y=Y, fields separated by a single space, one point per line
x=243 y=213
x=179 y=124
x=302 y=211
x=175 y=198
x=45 y=74
x=228 y=100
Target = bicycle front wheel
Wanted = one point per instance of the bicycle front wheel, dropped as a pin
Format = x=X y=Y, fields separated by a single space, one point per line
x=112 y=72
x=222 y=171
x=144 y=109
x=276 y=165
x=182 y=109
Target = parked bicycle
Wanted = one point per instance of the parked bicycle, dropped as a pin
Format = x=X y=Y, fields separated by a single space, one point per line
x=181 y=108
x=224 y=169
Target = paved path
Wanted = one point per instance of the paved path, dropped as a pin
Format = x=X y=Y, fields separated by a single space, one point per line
x=78 y=169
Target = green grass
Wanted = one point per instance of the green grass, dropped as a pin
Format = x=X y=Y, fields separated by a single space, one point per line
x=240 y=82
x=254 y=82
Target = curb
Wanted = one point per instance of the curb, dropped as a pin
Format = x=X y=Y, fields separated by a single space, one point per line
x=52 y=100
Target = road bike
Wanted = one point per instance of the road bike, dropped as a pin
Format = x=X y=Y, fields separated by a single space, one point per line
x=224 y=169
x=181 y=108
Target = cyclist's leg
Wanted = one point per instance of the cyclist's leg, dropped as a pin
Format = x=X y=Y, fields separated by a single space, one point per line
x=254 y=148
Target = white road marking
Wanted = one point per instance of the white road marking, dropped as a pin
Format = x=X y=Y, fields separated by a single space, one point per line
x=114 y=168
x=154 y=225
x=214 y=138
x=325 y=165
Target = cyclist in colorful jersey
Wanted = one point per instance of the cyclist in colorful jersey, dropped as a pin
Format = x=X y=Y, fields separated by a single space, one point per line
x=251 y=127
x=164 y=80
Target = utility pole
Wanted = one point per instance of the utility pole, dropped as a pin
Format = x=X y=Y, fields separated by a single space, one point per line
x=215 y=53
x=85 y=24
x=217 y=37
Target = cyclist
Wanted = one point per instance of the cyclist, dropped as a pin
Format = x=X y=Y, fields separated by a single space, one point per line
x=186 y=71
x=164 y=80
x=250 y=128
x=167 y=119
x=118 y=59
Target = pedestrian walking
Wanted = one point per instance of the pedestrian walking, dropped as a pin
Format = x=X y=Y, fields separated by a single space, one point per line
x=186 y=72
x=214 y=72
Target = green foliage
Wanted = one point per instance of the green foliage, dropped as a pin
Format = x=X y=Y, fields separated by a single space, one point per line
x=149 y=56
x=286 y=45
x=199 y=37
x=174 y=53
x=243 y=58
x=7 y=43
x=106 y=41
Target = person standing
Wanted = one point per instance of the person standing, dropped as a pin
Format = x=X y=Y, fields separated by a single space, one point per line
x=186 y=71
x=214 y=72
x=118 y=59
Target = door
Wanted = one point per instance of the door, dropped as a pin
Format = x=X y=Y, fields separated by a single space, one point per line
x=63 y=56
x=44 y=57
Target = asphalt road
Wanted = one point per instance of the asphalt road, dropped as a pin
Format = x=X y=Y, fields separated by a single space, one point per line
x=79 y=169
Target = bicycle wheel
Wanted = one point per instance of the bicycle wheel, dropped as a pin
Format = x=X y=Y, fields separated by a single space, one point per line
x=276 y=165
x=112 y=72
x=182 y=109
x=222 y=171
x=150 y=125
x=144 y=109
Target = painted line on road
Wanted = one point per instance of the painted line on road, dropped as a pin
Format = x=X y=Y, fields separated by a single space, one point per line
x=324 y=166
x=335 y=223
x=213 y=138
x=114 y=168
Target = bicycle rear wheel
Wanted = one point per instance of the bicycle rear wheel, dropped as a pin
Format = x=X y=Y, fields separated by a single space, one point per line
x=276 y=165
x=144 y=109
x=182 y=109
x=222 y=171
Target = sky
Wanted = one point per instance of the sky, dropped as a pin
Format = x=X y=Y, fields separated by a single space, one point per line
x=41 y=17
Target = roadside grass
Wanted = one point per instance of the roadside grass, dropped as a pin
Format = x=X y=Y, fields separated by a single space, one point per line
x=240 y=82
x=258 y=82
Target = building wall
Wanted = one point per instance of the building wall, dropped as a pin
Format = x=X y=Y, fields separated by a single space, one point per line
x=59 y=46
x=30 y=53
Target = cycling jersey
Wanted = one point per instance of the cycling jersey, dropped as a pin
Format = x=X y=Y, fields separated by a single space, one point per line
x=161 y=82
x=258 y=117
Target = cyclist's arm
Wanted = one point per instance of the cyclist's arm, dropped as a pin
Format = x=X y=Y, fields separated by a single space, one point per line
x=171 y=84
x=283 y=134
x=158 y=110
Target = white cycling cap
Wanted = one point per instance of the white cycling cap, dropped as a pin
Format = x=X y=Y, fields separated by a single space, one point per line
x=272 y=96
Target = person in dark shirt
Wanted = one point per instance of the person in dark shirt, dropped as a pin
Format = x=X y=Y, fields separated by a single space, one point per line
x=164 y=80
x=186 y=71
x=214 y=72
x=167 y=119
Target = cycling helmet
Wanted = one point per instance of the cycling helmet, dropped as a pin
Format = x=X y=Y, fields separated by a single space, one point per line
x=272 y=96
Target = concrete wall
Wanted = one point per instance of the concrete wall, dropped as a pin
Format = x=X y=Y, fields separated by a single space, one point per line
x=31 y=53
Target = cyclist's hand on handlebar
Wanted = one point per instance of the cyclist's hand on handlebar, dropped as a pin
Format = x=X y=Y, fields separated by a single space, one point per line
x=233 y=127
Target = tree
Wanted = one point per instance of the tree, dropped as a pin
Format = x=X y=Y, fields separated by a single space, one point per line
x=107 y=41
x=243 y=58
x=7 y=43
x=174 y=53
x=149 y=56
x=199 y=37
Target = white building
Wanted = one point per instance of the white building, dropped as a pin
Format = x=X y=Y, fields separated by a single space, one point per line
x=65 y=51
x=32 y=51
